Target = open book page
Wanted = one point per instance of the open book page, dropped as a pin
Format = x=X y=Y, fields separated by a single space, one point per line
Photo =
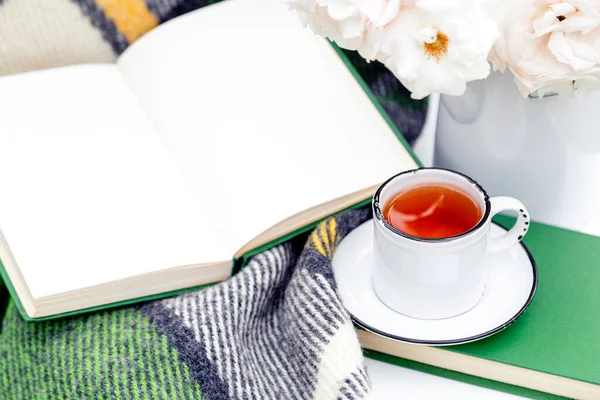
x=88 y=193
x=263 y=116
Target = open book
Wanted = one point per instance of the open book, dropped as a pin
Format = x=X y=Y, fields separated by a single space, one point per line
x=214 y=134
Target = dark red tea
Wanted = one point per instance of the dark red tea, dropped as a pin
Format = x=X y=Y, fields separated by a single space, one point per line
x=432 y=211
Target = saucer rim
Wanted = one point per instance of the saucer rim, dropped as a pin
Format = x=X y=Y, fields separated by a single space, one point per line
x=468 y=339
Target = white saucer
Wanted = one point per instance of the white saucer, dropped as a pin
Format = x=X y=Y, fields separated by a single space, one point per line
x=509 y=291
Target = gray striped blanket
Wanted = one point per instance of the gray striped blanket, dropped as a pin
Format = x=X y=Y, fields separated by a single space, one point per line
x=277 y=330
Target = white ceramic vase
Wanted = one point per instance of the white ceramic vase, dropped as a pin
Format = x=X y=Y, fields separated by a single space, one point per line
x=543 y=151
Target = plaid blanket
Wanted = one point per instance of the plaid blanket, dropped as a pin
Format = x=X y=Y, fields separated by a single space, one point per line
x=277 y=330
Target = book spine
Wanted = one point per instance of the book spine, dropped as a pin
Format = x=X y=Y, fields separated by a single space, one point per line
x=4 y=296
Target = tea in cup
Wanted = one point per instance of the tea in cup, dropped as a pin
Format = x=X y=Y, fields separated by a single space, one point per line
x=432 y=240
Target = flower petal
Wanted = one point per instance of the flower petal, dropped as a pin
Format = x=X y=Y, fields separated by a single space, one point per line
x=427 y=34
x=579 y=22
x=582 y=49
x=560 y=47
x=380 y=12
x=371 y=44
x=562 y=8
x=352 y=27
x=339 y=10
x=406 y=59
x=545 y=23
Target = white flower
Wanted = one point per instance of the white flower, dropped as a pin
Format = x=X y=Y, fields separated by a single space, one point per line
x=352 y=24
x=550 y=45
x=438 y=46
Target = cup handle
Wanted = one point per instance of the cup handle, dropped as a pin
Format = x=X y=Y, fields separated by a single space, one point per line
x=516 y=233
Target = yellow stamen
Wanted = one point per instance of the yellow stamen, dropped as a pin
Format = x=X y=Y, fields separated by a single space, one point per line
x=437 y=48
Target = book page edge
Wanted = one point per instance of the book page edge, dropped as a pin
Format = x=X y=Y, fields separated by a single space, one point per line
x=135 y=287
x=470 y=365
x=306 y=217
x=16 y=278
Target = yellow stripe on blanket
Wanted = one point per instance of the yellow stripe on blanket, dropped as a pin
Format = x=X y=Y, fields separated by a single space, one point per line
x=325 y=237
x=131 y=17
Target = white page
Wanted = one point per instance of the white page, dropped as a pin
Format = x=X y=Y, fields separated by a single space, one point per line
x=263 y=115
x=88 y=193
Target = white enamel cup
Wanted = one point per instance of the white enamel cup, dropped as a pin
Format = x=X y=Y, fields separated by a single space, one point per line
x=438 y=278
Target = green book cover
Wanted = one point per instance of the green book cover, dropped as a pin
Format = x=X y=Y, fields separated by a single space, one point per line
x=558 y=334
x=4 y=296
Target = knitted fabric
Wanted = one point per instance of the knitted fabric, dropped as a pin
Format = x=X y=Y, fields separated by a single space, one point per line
x=276 y=330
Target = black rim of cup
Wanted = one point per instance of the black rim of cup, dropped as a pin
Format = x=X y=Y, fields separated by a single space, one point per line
x=379 y=215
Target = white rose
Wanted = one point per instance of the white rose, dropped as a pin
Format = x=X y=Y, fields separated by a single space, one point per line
x=438 y=46
x=550 y=45
x=352 y=24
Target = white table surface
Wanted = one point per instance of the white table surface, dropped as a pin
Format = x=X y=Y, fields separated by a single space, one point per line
x=393 y=382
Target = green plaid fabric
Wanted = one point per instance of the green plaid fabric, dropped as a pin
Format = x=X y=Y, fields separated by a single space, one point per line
x=115 y=354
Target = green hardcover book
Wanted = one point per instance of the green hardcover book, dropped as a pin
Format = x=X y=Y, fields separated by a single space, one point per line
x=552 y=350
x=138 y=180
